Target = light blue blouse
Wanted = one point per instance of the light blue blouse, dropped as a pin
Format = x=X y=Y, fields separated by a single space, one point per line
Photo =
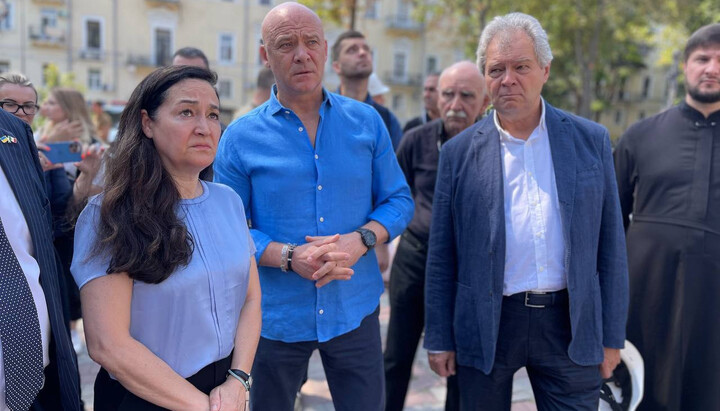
x=190 y=319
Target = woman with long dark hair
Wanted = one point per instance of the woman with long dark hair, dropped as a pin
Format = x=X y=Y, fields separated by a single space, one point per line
x=164 y=261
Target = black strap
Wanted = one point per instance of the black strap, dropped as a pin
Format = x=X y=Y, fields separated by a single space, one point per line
x=675 y=221
x=607 y=396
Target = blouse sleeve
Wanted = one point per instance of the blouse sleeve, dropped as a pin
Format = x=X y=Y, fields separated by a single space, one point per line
x=86 y=264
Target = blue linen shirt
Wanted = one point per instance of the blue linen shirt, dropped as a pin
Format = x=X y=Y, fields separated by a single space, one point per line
x=190 y=319
x=291 y=189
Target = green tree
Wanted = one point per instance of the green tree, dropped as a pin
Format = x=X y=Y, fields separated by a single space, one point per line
x=340 y=12
x=596 y=43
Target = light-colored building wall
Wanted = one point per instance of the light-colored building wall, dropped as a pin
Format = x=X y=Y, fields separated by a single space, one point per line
x=643 y=94
x=110 y=45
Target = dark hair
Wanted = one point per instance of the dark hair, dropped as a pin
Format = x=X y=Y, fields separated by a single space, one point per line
x=704 y=36
x=337 y=46
x=192 y=53
x=139 y=227
x=265 y=78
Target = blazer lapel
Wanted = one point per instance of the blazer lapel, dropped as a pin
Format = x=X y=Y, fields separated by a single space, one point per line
x=485 y=152
x=562 y=148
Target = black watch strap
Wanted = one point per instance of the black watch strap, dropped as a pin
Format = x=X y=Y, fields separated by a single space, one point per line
x=242 y=376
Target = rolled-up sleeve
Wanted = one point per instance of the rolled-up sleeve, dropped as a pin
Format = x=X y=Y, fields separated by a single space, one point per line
x=393 y=202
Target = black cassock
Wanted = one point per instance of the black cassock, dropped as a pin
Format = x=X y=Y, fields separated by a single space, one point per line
x=668 y=171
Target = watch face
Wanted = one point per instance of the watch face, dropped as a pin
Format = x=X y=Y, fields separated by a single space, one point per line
x=368 y=238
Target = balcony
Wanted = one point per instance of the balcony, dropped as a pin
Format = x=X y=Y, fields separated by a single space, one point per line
x=91 y=54
x=407 y=80
x=168 y=4
x=148 y=60
x=51 y=2
x=46 y=36
x=140 y=60
x=404 y=23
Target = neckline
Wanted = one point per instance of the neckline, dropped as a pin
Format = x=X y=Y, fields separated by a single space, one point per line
x=199 y=199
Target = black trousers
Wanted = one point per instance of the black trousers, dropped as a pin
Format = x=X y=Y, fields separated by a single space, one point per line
x=536 y=338
x=110 y=395
x=407 y=320
x=352 y=363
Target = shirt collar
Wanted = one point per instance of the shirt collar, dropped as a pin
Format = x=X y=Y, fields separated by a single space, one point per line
x=275 y=107
x=504 y=135
x=694 y=115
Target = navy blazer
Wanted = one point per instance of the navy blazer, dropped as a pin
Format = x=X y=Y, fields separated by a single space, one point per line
x=466 y=258
x=20 y=163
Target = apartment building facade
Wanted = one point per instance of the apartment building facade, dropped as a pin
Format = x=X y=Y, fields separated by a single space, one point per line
x=110 y=45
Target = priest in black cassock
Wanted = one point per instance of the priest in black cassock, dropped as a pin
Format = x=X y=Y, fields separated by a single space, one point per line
x=668 y=171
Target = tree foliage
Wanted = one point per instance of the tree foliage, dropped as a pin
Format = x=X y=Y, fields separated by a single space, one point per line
x=596 y=43
x=340 y=12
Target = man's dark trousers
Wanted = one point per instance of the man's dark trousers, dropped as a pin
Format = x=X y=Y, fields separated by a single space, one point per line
x=536 y=338
x=352 y=363
x=407 y=320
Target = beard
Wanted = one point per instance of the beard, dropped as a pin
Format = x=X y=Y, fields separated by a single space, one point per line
x=358 y=74
x=705 y=97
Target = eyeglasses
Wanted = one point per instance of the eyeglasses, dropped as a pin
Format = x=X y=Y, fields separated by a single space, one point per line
x=13 y=107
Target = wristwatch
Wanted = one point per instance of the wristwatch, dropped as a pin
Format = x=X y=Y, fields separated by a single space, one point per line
x=241 y=376
x=368 y=238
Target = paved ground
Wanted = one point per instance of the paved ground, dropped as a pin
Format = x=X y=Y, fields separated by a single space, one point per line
x=427 y=390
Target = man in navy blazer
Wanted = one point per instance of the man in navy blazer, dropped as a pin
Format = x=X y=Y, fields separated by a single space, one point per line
x=21 y=167
x=526 y=263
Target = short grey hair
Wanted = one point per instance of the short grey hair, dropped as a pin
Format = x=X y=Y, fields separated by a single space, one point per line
x=510 y=24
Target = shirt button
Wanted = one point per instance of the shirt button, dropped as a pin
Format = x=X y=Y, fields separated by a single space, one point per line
x=530 y=173
x=322 y=219
x=538 y=235
x=541 y=269
x=300 y=129
x=321 y=311
x=320 y=188
x=316 y=156
x=287 y=112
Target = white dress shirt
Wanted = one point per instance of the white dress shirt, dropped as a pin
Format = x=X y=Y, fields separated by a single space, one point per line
x=18 y=235
x=534 y=245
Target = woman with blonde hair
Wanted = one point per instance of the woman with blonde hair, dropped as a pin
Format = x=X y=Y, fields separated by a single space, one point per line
x=68 y=117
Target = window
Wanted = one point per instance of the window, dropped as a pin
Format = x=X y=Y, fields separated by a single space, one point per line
x=48 y=19
x=646 y=87
x=258 y=37
x=163 y=47
x=432 y=65
x=621 y=92
x=371 y=9
x=4 y=66
x=94 y=80
x=398 y=102
x=618 y=117
x=93 y=39
x=227 y=48
x=265 y=2
x=399 y=63
x=403 y=10
x=225 y=89
x=7 y=15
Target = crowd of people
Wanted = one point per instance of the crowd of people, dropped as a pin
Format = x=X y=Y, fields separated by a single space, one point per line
x=209 y=262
